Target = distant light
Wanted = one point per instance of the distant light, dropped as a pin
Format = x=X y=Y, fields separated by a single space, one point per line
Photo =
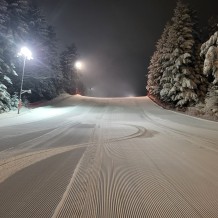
x=26 y=53
x=78 y=65
x=131 y=96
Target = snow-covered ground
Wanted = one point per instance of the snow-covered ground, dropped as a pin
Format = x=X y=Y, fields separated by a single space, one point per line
x=140 y=161
x=28 y=115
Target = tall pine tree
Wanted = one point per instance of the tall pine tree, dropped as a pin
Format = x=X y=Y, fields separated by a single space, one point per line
x=6 y=56
x=156 y=66
x=40 y=73
x=209 y=50
x=181 y=80
x=67 y=65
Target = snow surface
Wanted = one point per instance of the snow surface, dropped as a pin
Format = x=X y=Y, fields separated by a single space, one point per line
x=140 y=160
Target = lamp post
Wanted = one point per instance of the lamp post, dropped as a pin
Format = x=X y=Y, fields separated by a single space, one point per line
x=27 y=55
x=78 y=65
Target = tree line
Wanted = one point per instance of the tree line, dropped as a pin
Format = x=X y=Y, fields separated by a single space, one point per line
x=22 y=23
x=183 y=70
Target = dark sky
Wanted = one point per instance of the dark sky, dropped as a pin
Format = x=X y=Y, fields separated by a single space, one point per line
x=115 y=38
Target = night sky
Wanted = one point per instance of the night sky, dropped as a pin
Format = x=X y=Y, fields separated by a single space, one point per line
x=115 y=38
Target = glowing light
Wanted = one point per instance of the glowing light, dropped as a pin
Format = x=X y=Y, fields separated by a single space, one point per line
x=79 y=65
x=25 y=52
x=130 y=95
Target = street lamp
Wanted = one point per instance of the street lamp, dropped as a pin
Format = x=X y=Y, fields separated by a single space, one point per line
x=27 y=55
x=78 y=65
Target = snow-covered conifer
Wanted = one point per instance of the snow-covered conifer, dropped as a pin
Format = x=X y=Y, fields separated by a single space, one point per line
x=6 y=65
x=69 y=75
x=181 y=81
x=156 y=67
x=209 y=50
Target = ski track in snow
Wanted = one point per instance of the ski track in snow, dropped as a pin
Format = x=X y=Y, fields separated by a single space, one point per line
x=140 y=161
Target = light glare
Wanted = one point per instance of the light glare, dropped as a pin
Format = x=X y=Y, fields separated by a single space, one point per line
x=26 y=53
x=78 y=65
